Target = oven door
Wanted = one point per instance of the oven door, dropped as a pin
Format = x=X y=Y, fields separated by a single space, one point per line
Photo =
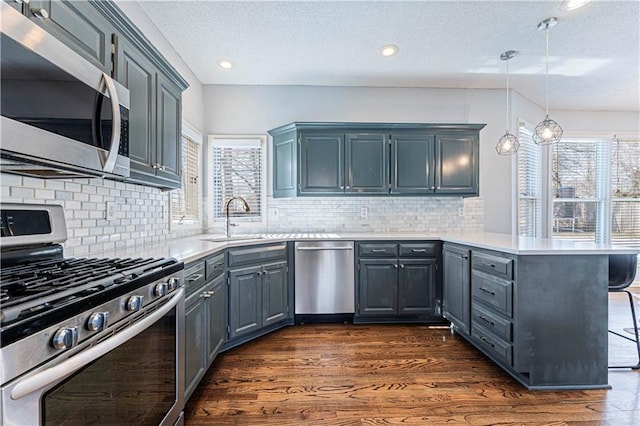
x=133 y=377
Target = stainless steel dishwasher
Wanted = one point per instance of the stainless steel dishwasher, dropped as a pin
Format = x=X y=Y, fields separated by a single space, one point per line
x=324 y=281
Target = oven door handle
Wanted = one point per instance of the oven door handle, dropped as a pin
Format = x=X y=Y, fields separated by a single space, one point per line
x=54 y=374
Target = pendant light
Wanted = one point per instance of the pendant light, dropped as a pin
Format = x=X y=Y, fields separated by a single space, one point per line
x=547 y=131
x=508 y=144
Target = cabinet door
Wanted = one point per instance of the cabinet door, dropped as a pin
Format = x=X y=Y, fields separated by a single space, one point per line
x=367 y=163
x=195 y=357
x=138 y=75
x=417 y=286
x=378 y=287
x=412 y=166
x=245 y=300
x=78 y=25
x=457 y=163
x=16 y=4
x=456 y=291
x=284 y=165
x=275 y=304
x=217 y=321
x=321 y=163
x=169 y=128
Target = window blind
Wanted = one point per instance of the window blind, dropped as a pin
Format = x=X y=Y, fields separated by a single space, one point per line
x=237 y=171
x=529 y=163
x=185 y=202
x=625 y=192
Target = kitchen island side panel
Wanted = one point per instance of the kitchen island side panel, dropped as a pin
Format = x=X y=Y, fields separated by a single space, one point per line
x=562 y=316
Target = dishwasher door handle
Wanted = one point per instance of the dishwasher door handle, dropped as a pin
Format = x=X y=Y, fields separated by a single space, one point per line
x=323 y=248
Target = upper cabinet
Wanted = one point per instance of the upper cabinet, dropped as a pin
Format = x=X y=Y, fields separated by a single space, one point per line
x=102 y=34
x=375 y=159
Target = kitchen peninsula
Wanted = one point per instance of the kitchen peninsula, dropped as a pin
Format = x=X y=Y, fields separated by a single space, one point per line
x=536 y=307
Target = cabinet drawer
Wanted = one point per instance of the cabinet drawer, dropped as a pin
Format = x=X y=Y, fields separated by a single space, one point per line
x=194 y=277
x=495 y=265
x=493 y=291
x=378 y=250
x=494 y=344
x=257 y=254
x=419 y=249
x=493 y=322
x=214 y=266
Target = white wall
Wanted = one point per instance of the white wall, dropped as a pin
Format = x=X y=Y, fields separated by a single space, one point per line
x=257 y=109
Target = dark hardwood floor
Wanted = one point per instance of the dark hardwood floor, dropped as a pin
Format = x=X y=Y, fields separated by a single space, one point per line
x=339 y=374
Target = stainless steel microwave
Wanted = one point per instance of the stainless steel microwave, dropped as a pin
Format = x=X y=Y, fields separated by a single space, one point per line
x=61 y=115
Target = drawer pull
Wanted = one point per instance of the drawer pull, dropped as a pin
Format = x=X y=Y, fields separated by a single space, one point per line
x=487 y=320
x=418 y=250
x=484 y=339
x=487 y=291
x=194 y=278
x=378 y=250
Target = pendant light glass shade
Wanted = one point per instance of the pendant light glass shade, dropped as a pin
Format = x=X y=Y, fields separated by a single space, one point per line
x=508 y=143
x=547 y=131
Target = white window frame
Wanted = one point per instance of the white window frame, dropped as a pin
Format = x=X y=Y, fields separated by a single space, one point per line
x=247 y=225
x=176 y=225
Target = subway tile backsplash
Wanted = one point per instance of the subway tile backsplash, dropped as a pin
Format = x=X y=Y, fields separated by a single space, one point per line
x=142 y=213
x=374 y=214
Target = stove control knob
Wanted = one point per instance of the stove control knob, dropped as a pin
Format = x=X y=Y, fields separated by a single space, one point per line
x=134 y=303
x=173 y=283
x=65 y=338
x=98 y=321
x=161 y=289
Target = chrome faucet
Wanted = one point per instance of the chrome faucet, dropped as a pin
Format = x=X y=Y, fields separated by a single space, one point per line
x=226 y=210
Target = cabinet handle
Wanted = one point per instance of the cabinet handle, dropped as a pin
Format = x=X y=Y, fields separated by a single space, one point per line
x=487 y=320
x=348 y=187
x=40 y=13
x=433 y=187
x=194 y=278
x=418 y=250
x=487 y=291
x=465 y=257
x=438 y=188
x=402 y=266
x=395 y=266
x=484 y=339
x=378 y=251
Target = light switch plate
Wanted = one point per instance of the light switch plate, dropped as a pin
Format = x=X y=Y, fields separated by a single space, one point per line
x=111 y=210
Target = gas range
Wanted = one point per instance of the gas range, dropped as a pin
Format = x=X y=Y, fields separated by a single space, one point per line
x=57 y=311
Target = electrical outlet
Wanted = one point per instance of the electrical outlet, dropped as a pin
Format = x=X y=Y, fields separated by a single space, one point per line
x=364 y=212
x=111 y=210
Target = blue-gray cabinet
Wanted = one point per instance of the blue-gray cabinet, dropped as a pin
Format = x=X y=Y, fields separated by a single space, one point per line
x=205 y=317
x=101 y=33
x=375 y=159
x=77 y=24
x=456 y=304
x=397 y=282
x=258 y=289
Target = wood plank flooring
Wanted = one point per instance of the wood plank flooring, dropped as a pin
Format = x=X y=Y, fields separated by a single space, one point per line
x=343 y=374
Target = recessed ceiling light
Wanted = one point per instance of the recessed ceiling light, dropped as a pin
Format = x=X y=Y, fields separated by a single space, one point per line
x=390 y=50
x=569 y=5
x=223 y=63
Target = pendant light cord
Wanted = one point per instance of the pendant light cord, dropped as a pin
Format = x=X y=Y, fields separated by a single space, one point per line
x=547 y=74
x=507 y=61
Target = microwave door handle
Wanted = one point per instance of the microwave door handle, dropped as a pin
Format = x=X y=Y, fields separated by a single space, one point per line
x=56 y=373
x=110 y=163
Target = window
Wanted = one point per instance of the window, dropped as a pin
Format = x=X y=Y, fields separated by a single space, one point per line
x=237 y=170
x=529 y=183
x=186 y=201
x=625 y=192
x=577 y=194
x=593 y=189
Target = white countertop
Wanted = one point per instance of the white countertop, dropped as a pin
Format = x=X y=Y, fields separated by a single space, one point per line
x=192 y=248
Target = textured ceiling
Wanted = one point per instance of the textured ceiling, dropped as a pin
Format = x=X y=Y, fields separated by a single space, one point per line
x=594 y=51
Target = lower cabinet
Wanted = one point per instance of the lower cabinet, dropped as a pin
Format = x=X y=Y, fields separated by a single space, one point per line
x=205 y=322
x=258 y=289
x=397 y=282
x=456 y=288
